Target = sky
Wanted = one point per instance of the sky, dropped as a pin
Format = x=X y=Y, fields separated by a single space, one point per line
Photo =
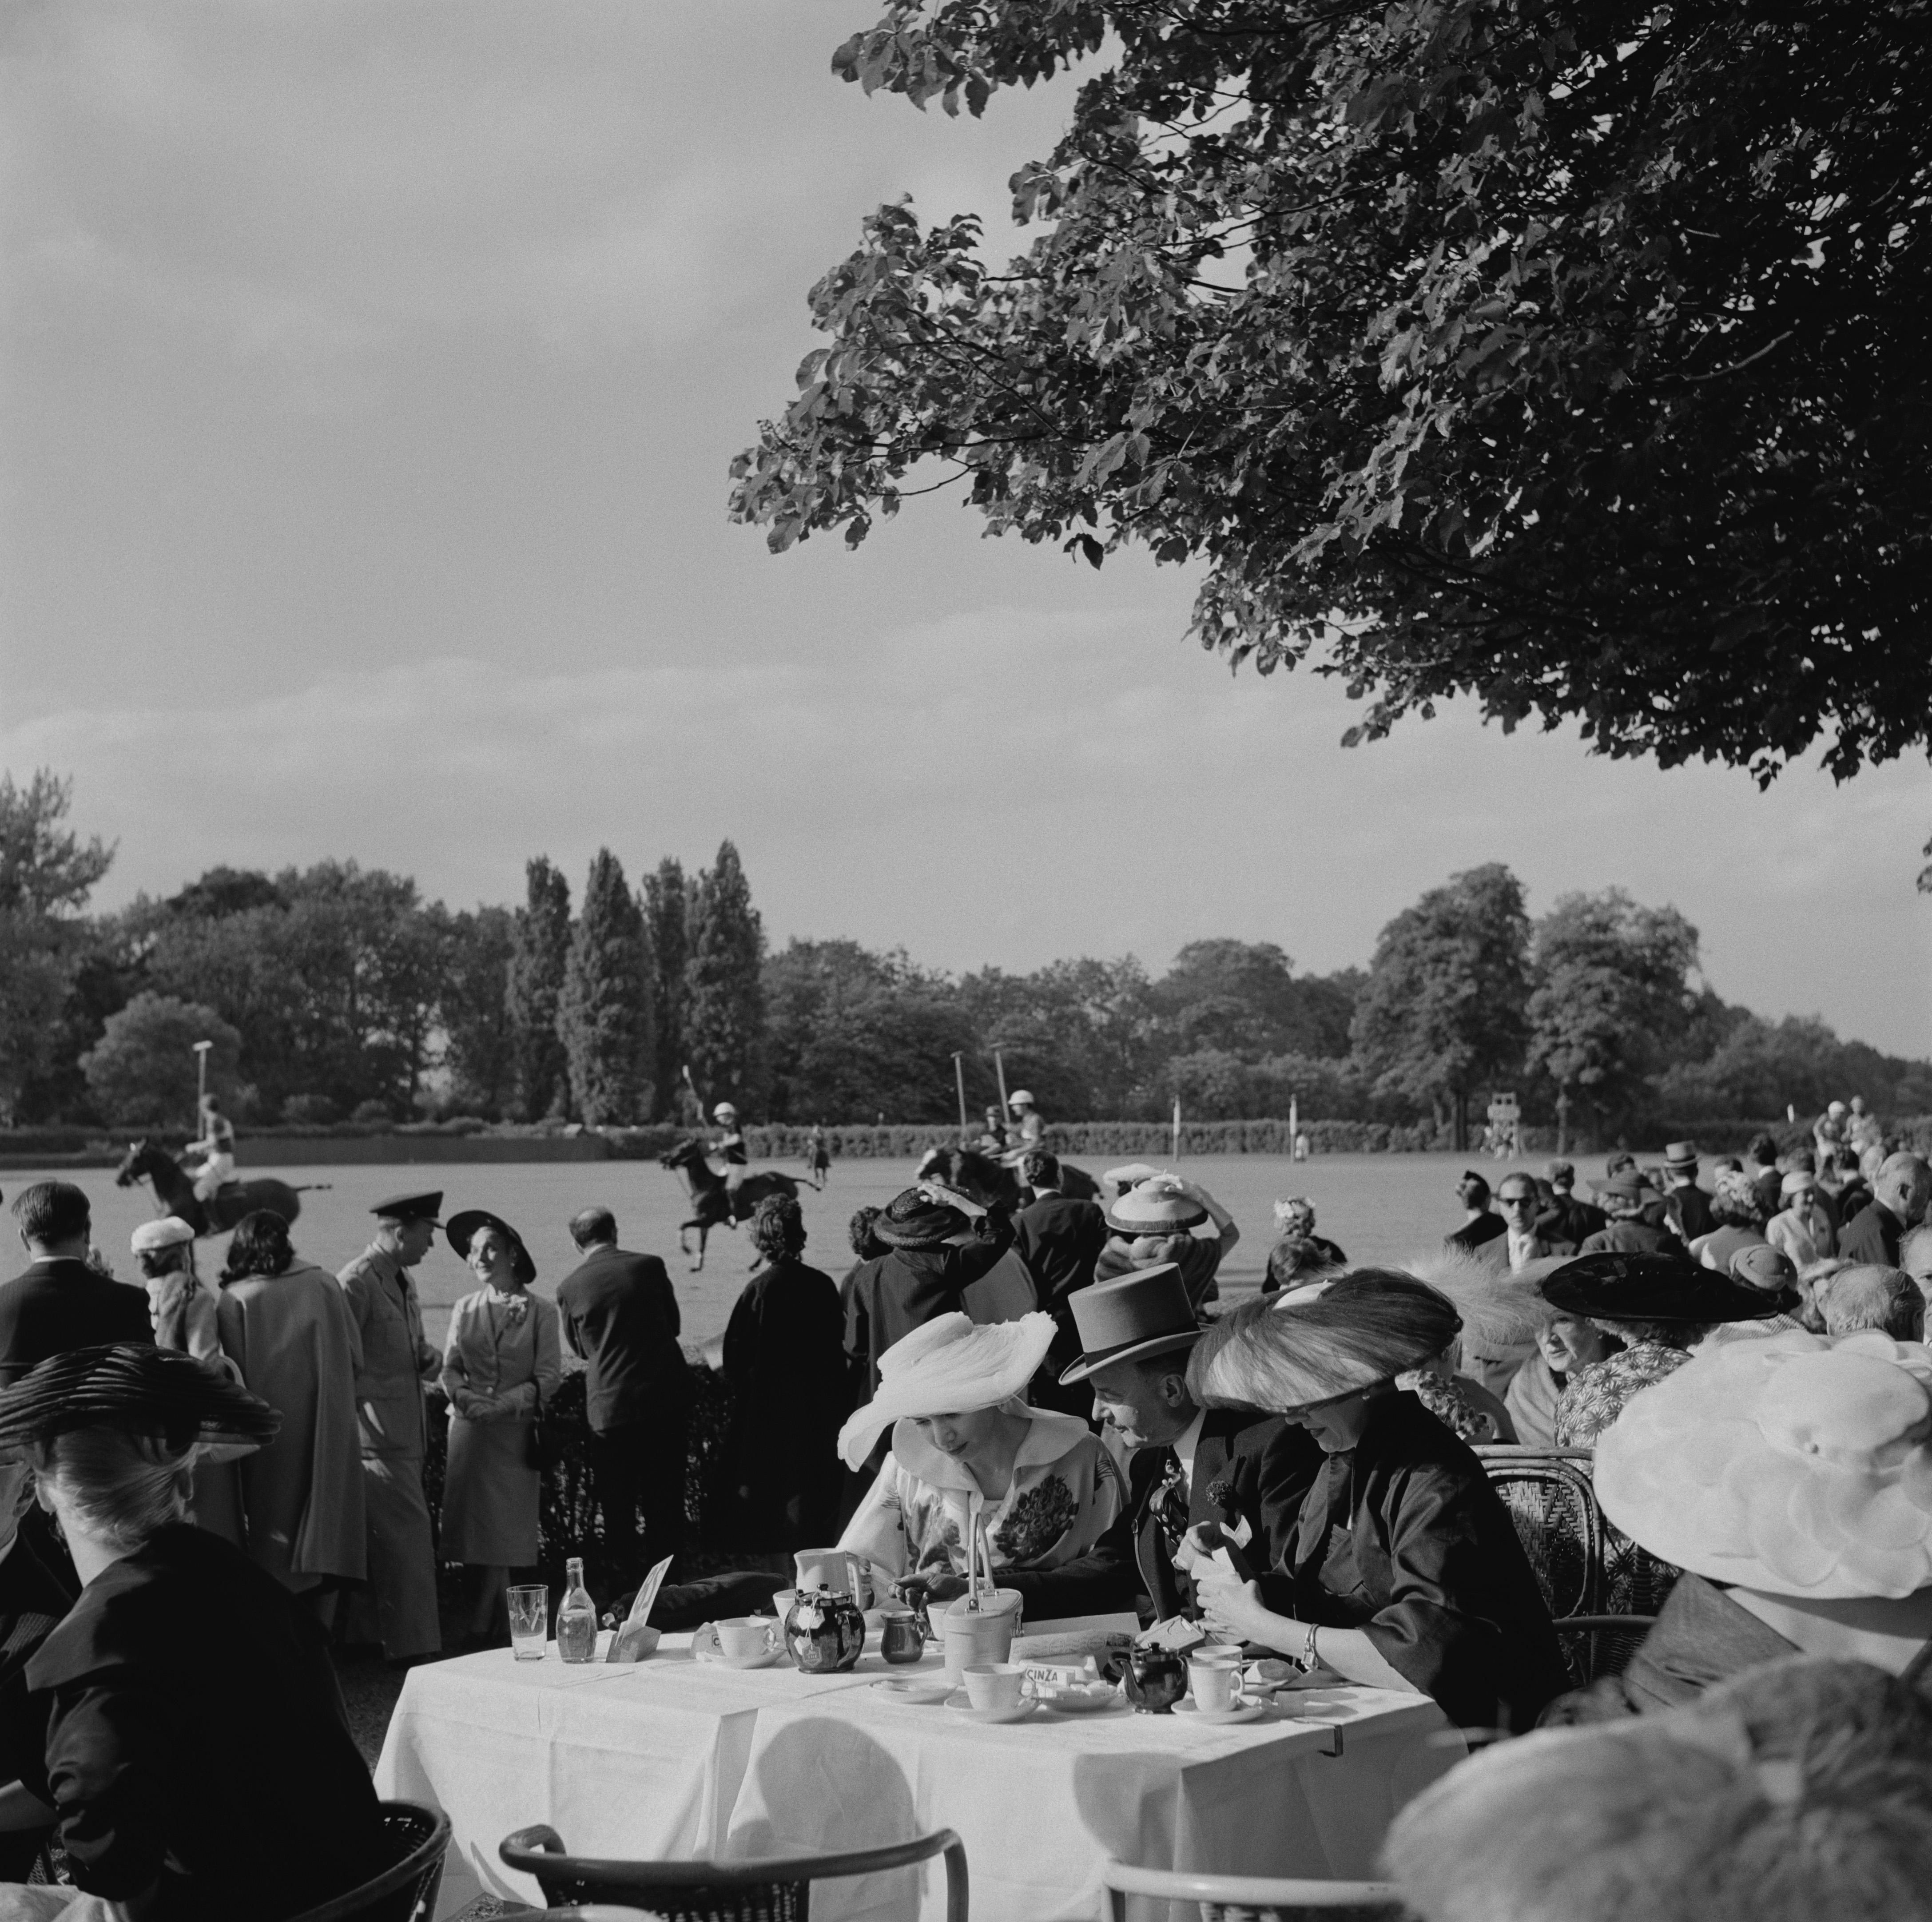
x=369 y=373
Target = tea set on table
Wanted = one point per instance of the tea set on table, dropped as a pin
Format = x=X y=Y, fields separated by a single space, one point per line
x=823 y=1626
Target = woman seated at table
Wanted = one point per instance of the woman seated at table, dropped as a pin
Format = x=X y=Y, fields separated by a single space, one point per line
x=1404 y=1571
x=196 y=1757
x=970 y=1460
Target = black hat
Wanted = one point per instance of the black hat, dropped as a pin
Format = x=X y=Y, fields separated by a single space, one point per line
x=913 y=1219
x=138 y=1390
x=1145 y=1313
x=462 y=1228
x=1656 y=1287
x=412 y=1208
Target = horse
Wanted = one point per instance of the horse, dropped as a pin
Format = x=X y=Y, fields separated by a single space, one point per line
x=991 y=1183
x=714 y=1202
x=174 y=1192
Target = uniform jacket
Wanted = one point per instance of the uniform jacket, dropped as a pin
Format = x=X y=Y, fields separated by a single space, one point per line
x=620 y=1313
x=397 y=1362
x=54 y=1307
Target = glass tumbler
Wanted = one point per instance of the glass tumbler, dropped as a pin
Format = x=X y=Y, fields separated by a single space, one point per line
x=529 y=1618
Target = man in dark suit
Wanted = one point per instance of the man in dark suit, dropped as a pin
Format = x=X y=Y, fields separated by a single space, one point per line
x=57 y=1303
x=1566 y=1218
x=1240 y=1478
x=1900 y=1197
x=1479 y=1225
x=620 y=1313
x=1059 y=1239
x=1687 y=1205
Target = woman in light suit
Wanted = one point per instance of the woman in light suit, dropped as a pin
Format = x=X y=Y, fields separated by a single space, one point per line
x=501 y=1361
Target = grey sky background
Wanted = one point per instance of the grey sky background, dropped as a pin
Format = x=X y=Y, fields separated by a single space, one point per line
x=370 y=375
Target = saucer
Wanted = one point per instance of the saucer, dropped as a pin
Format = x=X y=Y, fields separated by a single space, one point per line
x=1084 y=1701
x=711 y=1653
x=1245 y=1711
x=1020 y=1710
x=914 y=1694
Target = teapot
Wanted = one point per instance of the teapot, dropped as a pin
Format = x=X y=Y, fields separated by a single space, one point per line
x=1153 y=1678
x=824 y=1631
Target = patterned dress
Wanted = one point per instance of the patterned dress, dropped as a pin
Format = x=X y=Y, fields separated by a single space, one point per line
x=1596 y=1395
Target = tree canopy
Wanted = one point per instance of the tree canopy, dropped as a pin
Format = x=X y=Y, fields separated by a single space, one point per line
x=1571 y=354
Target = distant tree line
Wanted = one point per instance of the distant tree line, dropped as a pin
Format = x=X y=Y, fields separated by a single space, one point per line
x=337 y=993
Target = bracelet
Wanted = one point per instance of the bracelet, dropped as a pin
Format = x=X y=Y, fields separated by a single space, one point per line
x=1310 y=1657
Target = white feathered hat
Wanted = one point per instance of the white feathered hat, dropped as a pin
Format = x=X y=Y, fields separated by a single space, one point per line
x=949 y=1366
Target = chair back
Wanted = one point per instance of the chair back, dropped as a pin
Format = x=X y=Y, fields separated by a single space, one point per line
x=775 y=1889
x=406 y=1891
x=1253 y=1898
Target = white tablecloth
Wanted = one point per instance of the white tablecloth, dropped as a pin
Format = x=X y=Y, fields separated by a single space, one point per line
x=671 y=1758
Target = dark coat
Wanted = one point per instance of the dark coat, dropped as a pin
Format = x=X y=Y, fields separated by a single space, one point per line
x=1631 y=1236
x=1403 y=1537
x=1471 y=1235
x=620 y=1313
x=1873 y=1234
x=1571 y=1220
x=53 y=1307
x=38 y=1586
x=1700 y=1638
x=196 y=1737
x=785 y=1359
x=1059 y=1238
x=892 y=1294
x=1690 y=1212
x=1260 y=1467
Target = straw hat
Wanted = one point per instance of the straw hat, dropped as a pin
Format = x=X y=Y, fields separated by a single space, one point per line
x=949 y=1366
x=1680 y=1154
x=1799 y=1181
x=1285 y=1352
x=1795 y=1464
x=138 y=1390
x=913 y=1219
x=170 y=1231
x=1154 y=1208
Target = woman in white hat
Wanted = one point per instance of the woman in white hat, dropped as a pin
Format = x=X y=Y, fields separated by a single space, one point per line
x=1801 y=1229
x=970 y=1460
x=1790 y=1478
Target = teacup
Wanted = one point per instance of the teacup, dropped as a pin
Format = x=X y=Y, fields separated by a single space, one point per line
x=1217 y=1685
x=742 y=1637
x=781 y=1603
x=995 y=1684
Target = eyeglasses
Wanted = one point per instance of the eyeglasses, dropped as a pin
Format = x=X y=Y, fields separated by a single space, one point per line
x=1517 y=1200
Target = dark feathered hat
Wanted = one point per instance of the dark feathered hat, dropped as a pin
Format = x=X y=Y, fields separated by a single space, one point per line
x=138 y=1390
x=913 y=1219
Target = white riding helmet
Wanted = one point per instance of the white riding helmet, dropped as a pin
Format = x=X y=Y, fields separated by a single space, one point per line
x=1019 y=1098
x=724 y=1111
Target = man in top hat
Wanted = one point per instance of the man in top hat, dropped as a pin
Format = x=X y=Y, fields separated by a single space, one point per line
x=1633 y=1207
x=1197 y=1478
x=396 y=1365
x=1153 y=1221
x=1687 y=1205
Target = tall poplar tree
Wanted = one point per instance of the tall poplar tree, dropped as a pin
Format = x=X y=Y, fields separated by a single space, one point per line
x=539 y=947
x=724 y=1004
x=604 y=1012
x=666 y=904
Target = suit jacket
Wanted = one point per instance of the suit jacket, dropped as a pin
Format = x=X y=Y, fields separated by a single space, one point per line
x=620 y=1313
x=889 y=1296
x=1059 y=1238
x=1873 y=1234
x=1631 y=1237
x=1571 y=1220
x=1471 y=1235
x=1690 y=1212
x=1263 y=1467
x=53 y=1307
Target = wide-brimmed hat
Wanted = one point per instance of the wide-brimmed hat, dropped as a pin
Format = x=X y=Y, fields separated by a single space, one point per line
x=912 y=1219
x=1154 y=1207
x=1795 y=1464
x=1799 y=1181
x=1655 y=1288
x=1628 y=1185
x=1285 y=1352
x=949 y=1365
x=170 y=1231
x=461 y=1229
x=1145 y=1313
x=139 y=1390
x=1680 y=1154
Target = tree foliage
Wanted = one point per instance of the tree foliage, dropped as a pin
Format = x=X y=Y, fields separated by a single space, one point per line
x=539 y=952
x=724 y=1002
x=1442 y=1012
x=142 y=1070
x=1569 y=353
x=666 y=904
x=604 y=1012
x=479 y=1037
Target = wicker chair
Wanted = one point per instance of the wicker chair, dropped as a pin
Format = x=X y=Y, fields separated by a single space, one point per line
x=406 y=1891
x=777 y=1889
x=1253 y=1898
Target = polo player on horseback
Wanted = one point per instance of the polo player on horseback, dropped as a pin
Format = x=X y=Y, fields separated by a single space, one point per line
x=217 y=1148
x=729 y=1149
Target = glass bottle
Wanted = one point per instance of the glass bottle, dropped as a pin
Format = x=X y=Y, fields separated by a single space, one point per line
x=576 y=1616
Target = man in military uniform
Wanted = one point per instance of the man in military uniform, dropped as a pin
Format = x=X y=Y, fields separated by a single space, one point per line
x=396 y=1364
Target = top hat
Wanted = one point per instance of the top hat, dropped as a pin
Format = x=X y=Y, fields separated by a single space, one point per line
x=1145 y=1313
x=1680 y=1154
